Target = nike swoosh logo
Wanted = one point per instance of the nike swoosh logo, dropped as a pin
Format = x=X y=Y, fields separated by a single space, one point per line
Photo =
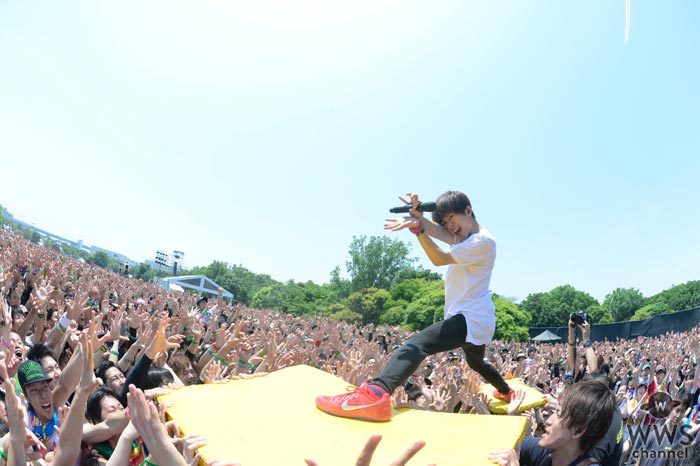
x=346 y=407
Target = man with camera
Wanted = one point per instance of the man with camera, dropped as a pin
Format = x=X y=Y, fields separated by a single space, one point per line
x=470 y=318
x=607 y=451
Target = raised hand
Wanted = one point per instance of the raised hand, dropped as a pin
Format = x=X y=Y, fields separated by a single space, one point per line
x=515 y=403
x=146 y=419
x=6 y=321
x=77 y=307
x=365 y=457
x=505 y=457
x=441 y=397
x=161 y=343
x=88 y=381
x=397 y=224
x=480 y=403
x=15 y=417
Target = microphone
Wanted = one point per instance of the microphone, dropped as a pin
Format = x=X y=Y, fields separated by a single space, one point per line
x=422 y=207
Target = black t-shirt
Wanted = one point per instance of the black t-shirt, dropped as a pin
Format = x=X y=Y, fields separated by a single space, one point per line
x=531 y=454
x=609 y=450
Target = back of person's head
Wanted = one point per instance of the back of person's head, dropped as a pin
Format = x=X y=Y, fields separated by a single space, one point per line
x=451 y=202
x=157 y=377
x=180 y=363
x=587 y=409
x=601 y=377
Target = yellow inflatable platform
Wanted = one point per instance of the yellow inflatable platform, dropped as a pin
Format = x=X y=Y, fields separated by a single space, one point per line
x=533 y=398
x=272 y=420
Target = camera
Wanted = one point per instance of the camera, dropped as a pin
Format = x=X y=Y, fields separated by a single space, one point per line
x=578 y=317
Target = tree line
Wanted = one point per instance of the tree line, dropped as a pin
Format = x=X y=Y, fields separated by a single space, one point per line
x=383 y=285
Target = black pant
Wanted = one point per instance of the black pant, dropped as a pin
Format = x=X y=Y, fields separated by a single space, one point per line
x=441 y=336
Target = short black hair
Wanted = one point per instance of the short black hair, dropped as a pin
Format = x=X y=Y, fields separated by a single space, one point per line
x=39 y=351
x=157 y=377
x=450 y=202
x=102 y=369
x=93 y=410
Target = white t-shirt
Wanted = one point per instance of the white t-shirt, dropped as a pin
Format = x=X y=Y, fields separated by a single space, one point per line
x=467 y=286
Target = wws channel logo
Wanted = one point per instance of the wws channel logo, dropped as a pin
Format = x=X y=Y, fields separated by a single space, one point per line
x=659 y=440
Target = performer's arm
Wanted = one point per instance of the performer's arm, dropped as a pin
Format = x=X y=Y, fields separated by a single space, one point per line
x=436 y=255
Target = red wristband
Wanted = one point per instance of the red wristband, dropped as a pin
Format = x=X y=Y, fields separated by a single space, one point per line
x=417 y=230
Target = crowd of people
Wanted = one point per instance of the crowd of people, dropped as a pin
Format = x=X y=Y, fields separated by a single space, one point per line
x=85 y=352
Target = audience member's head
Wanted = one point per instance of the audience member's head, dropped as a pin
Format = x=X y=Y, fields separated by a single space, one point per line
x=101 y=403
x=584 y=415
x=44 y=356
x=111 y=375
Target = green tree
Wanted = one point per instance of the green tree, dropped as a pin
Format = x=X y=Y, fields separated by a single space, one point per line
x=651 y=310
x=376 y=262
x=293 y=298
x=552 y=309
x=274 y=297
x=34 y=237
x=407 y=290
x=427 y=309
x=623 y=303
x=74 y=252
x=310 y=298
x=393 y=316
x=143 y=272
x=346 y=315
x=411 y=273
x=536 y=305
x=338 y=285
x=599 y=315
x=240 y=281
x=100 y=259
x=511 y=322
x=369 y=303
x=679 y=297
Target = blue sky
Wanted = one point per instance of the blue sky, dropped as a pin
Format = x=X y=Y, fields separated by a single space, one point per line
x=268 y=134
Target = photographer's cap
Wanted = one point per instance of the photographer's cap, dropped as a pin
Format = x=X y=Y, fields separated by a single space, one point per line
x=30 y=372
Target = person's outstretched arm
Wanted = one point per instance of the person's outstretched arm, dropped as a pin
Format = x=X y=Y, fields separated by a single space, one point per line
x=571 y=349
x=146 y=419
x=68 y=449
x=591 y=356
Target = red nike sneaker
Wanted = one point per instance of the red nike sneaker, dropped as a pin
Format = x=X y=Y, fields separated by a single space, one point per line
x=359 y=403
x=507 y=398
